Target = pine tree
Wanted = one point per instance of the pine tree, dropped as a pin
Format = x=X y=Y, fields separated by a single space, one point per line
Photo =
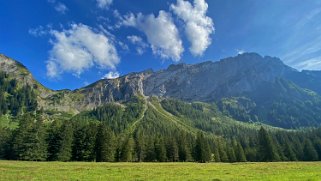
x=240 y=155
x=318 y=146
x=222 y=152
x=202 y=149
x=267 y=149
x=5 y=139
x=184 y=151
x=127 y=150
x=65 y=147
x=105 y=144
x=289 y=153
x=310 y=154
x=160 y=150
x=217 y=157
x=140 y=146
x=150 y=151
x=30 y=140
x=54 y=141
x=172 y=150
x=231 y=154
x=84 y=142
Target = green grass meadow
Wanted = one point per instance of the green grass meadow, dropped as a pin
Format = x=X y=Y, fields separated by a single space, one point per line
x=14 y=170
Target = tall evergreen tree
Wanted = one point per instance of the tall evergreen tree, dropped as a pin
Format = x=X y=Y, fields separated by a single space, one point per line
x=150 y=155
x=84 y=142
x=267 y=149
x=65 y=148
x=217 y=157
x=289 y=153
x=202 y=149
x=172 y=150
x=239 y=153
x=105 y=144
x=127 y=150
x=160 y=150
x=30 y=140
x=318 y=146
x=54 y=141
x=310 y=154
x=223 y=152
x=231 y=154
x=184 y=151
x=140 y=146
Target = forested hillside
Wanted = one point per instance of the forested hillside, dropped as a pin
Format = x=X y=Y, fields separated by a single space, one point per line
x=138 y=117
x=143 y=130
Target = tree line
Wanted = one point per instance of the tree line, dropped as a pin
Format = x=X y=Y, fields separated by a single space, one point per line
x=92 y=140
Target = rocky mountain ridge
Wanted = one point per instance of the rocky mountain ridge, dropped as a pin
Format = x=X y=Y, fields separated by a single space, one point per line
x=249 y=85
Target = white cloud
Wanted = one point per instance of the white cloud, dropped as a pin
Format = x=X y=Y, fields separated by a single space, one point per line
x=38 y=31
x=111 y=75
x=138 y=41
x=161 y=33
x=104 y=3
x=78 y=49
x=61 y=8
x=198 y=26
x=52 y=70
x=240 y=51
x=310 y=64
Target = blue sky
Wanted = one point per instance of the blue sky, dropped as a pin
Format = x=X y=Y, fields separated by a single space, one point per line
x=71 y=43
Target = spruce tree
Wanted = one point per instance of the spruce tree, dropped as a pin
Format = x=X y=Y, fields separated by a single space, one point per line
x=223 y=152
x=150 y=151
x=127 y=150
x=184 y=151
x=310 y=154
x=231 y=154
x=318 y=147
x=105 y=144
x=84 y=142
x=140 y=146
x=267 y=148
x=160 y=150
x=202 y=149
x=239 y=151
x=172 y=150
x=289 y=153
x=30 y=140
x=66 y=140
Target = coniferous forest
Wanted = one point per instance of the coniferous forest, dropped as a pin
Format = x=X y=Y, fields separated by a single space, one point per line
x=142 y=130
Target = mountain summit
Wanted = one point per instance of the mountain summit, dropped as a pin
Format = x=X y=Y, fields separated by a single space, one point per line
x=247 y=87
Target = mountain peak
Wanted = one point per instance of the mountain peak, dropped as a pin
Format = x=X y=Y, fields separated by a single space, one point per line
x=174 y=67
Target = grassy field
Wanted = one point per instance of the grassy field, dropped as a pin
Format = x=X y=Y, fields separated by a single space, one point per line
x=11 y=170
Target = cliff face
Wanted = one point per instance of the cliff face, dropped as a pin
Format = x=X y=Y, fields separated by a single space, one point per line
x=248 y=75
x=213 y=80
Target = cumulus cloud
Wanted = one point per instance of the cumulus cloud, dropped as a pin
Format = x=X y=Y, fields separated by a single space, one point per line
x=198 y=26
x=78 y=49
x=104 y=3
x=161 y=33
x=111 y=75
x=138 y=41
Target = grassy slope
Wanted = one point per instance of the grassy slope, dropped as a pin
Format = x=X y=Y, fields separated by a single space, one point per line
x=11 y=170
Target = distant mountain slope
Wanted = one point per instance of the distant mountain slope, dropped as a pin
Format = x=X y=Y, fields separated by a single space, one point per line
x=247 y=87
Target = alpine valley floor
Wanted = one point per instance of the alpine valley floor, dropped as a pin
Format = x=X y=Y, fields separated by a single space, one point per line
x=16 y=170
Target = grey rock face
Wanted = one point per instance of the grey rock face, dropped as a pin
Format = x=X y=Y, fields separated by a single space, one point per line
x=244 y=74
x=213 y=80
